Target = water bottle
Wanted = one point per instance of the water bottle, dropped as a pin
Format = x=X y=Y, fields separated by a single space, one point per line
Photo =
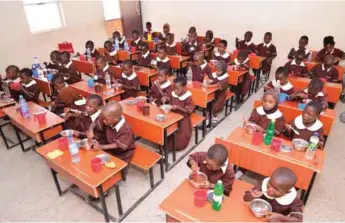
x=218 y=193
x=74 y=151
x=116 y=44
x=310 y=56
x=126 y=47
x=270 y=132
x=24 y=107
x=35 y=67
x=312 y=146
x=189 y=75
x=108 y=82
x=88 y=54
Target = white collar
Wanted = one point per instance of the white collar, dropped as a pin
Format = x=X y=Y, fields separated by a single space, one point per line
x=320 y=94
x=286 y=199
x=166 y=59
x=285 y=87
x=324 y=68
x=80 y=102
x=223 y=167
x=267 y=45
x=122 y=40
x=93 y=51
x=146 y=54
x=133 y=75
x=106 y=68
x=172 y=45
x=119 y=124
x=299 y=124
x=69 y=64
x=214 y=75
x=137 y=41
x=195 y=43
x=294 y=63
x=95 y=115
x=113 y=53
x=212 y=40
x=32 y=82
x=248 y=43
x=332 y=51
x=17 y=80
x=225 y=75
x=165 y=85
x=182 y=97
x=202 y=66
x=275 y=115
x=225 y=55
x=238 y=63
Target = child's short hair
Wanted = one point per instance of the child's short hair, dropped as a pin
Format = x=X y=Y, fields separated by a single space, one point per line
x=218 y=153
x=250 y=33
x=221 y=65
x=66 y=55
x=116 y=33
x=170 y=35
x=328 y=57
x=165 y=71
x=135 y=31
x=54 y=53
x=305 y=38
x=144 y=45
x=128 y=63
x=285 y=175
x=209 y=32
x=107 y=42
x=316 y=85
x=97 y=98
x=148 y=23
x=192 y=30
x=182 y=80
x=282 y=71
x=26 y=72
x=268 y=33
x=328 y=40
x=58 y=79
x=12 y=67
x=89 y=42
x=317 y=105
x=224 y=42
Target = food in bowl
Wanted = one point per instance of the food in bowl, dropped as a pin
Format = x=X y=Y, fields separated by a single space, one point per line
x=166 y=108
x=260 y=208
x=198 y=179
x=299 y=144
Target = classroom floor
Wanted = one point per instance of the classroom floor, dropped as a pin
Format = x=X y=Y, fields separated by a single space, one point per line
x=28 y=193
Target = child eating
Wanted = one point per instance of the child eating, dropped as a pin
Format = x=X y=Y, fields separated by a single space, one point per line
x=200 y=68
x=90 y=45
x=101 y=69
x=162 y=87
x=54 y=61
x=326 y=70
x=145 y=56
x=296 y=66
x=221 y=54
x=11 y=78
x=214 y=164
x=129 y=80
x=110 y=53
x=28 y=87
x=162 y=60
x=120 y=39
x=281 y=82
x=69 y=70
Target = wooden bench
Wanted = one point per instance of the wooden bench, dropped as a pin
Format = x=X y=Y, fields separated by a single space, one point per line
x=196 y=121
x=229 y=95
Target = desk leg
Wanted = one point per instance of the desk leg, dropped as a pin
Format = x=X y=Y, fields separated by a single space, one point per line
x=104 y=204
x=210 y=115
x=118 y=199
x=204 y=112
x=56 y=181
x=305 y=198
x=257 y=81
x=42 y=137
x=174 y=148
x=166 y=152
x=19 y=139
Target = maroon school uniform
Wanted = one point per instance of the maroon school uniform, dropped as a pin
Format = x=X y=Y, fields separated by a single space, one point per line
x=293 y=52
x=132 y=80
x=307 y=132
x=320 y=71
x=296 y=69
x=111 y=57
x=199 y=72
x=166 y=88
x=262 y=119
x=84 y=121
x=95 y=53
x=122 y=135
x=321 y=96
x=54 y=66
x=287 y=88
x=189 y=48
x=165 y=63
x=335 y=52
x=225 y=173
x=71 y=70
x=288 y=204
x=247 y=46
x=136 y=43
x=221 y=57
x=266 y=50
x=101 y=74
x=145 y=59
x=171 y=49
x=184 y=132
x=31 y=87
x=163 y=36
x=220 y=98
x=244 y=66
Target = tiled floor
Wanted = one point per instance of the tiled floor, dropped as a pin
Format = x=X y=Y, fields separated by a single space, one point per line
x=27 y=191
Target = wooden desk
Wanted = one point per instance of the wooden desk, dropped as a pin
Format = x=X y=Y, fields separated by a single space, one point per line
x=81 y=174
x=176 y=61
x=179 y=206
x=261 y=159
x=44 y=86
x=5 y=105
x=85 y=67
x=200 y=39
x=340 y=69
x=255 y=62
x=84 y=90
x=127 y=55
x=153 y=46
x=332 y=89
x=40 y=133
x=150 y=129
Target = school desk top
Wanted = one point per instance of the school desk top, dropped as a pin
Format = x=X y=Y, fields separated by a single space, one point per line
x=86 y=67
x=127 y=55
x=44 y=86
x=179 y=206
x=332 y=89
x=176 y=61
x=7 y=104
x=81 y=173
x=235 y=76
x=201 y=96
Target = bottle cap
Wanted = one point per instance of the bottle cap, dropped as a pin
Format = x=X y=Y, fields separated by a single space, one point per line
x=219 y=182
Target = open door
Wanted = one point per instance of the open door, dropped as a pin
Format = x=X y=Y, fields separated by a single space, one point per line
x=131 y=17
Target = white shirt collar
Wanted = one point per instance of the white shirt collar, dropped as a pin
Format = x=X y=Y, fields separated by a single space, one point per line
x=225 y=55
x=285 y=87
x=267 y=45
x=294 y=63
x=212 y=40
x=332 y=51
x=182 y=97
x=299 y=124
x=225 y=75
x=165 y=85
x=93 y=51
x=275 y=115
x=119 y=124
x=166 y=59
x=286 y=199
x=324 y=68
x=137 y=41
x=17 y=80
x=122 y=39
x=195 y=43
x=248 y=43
x=69 y=64
x=320 y=94
x=32 y=82
x=113 y=53
x=146 y=54
x=106 y=68
x=95 y=115
x=202 y=66
x=133 y=75
x=238 y=63
x=172 y=45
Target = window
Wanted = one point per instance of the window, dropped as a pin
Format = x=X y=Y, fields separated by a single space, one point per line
x=43 y=15
x=111 y=9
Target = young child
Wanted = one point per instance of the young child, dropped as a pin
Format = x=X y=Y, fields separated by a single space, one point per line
x=328 y=44
x=145 y=56
x=268 y=50
x=110 y=53
x=129 y=80
x=269 y=110
x=162 y=87
x=242 y=63
x=149 y=31
x=200 y=68
x=120 y=39
x=101 y=69
x=281 y=81
x=247 y=43
x=190 y=47
x=191 y=30
x=221 y=54
x=118 y=136
x=55 y=61
x=296 y=66
x=136 y=42
x=308 y=123
x=209 y=40
x=170 y=44
x=162 y=59
x=326 y=70
x=302 y=45
x=279 y=191
x=69 y=70
x=215 y=165
x=11 y=77
x=313 y=92
x=182 y=103
x=165 y=33
x=90 y=45
x=28 y=87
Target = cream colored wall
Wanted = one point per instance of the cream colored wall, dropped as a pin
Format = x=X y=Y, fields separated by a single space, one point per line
x=84 y=20
x=286 y=20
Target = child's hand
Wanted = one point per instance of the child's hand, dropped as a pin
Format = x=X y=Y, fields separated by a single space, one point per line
x=76 y=134
x=275 y=217
x=255 y=193
x=90 y=134
x=193 y=165
x=245 y=122
x=266 y=88
x=95 y=145
x=174 y=107
x=164 y=99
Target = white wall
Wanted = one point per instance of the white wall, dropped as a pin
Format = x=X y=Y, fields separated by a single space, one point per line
x=84 y=21
x=286 y=20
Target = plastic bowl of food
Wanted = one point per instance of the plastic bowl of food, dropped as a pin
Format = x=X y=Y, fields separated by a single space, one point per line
x=260 y=208
x=67 y=132
x=166 y=108
x=299 y=144
x=197 y=179
x=161 y=117
x=251 y=128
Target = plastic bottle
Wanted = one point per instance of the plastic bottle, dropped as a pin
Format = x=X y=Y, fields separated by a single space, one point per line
x=270 y=132
x=74 y=151
x=88 y=53
x=310 y=57
x=312 y=146
x=189 y=75
x=108 y=82
x=35 y=67
x=24 y=107
x=218 y=193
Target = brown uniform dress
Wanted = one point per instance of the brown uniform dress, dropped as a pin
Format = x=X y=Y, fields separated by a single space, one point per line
x=122 y=135
x=288 y=88
x=293 y=53
x=321 y=96
x=111 y=57
x=95 y=53
x=155 y=94
x=226 y=173
x=165 y=63
x=132 y=80
x=122 y=42
x=243 y=45
x=320 y=71
x=335 y=52
x=171 y=49
x=71 y=70
x=136 y=43
x=288 y=204
x=295 y=69
x=199 y=72
x=262 y=119
x=54 y=66
x=31 y=87
x=225 y=57
x=266 y=50
x=220 y=98
x=145 y=59
x=184 y=133
x=101 y=74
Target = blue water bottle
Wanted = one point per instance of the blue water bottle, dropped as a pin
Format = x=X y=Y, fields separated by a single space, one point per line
x=24 y=107
x=90 y=82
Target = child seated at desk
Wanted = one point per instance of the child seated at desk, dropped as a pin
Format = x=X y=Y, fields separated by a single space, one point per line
x=247 y=43
x=182 y=103
x=302 y=45
x=221 y=54
x=12 y=77
x=200 y=68
x=129 y=80
x=269 y=110
x=279 y=191
x=28 y=87
x=326 y=70
x=328 y=43
x=308 y=123
x=121 y=40
x=296 y=66
x=281 y=82
x=90 y=45
x=191 y=46
x=215 y=165
x=145 y=56
x=110 y=53
x=191 y=30
x=170 y=44
x=313 y=92
x=101 y=69
x=267 y=50
x=241 y=62
x=166 y=31
x=118 y=136
x=149 y=31
x=162 y=87
x=162 y=59
x=55 y=61
x=209 y=40
x=69 y=70
x=136 y=42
